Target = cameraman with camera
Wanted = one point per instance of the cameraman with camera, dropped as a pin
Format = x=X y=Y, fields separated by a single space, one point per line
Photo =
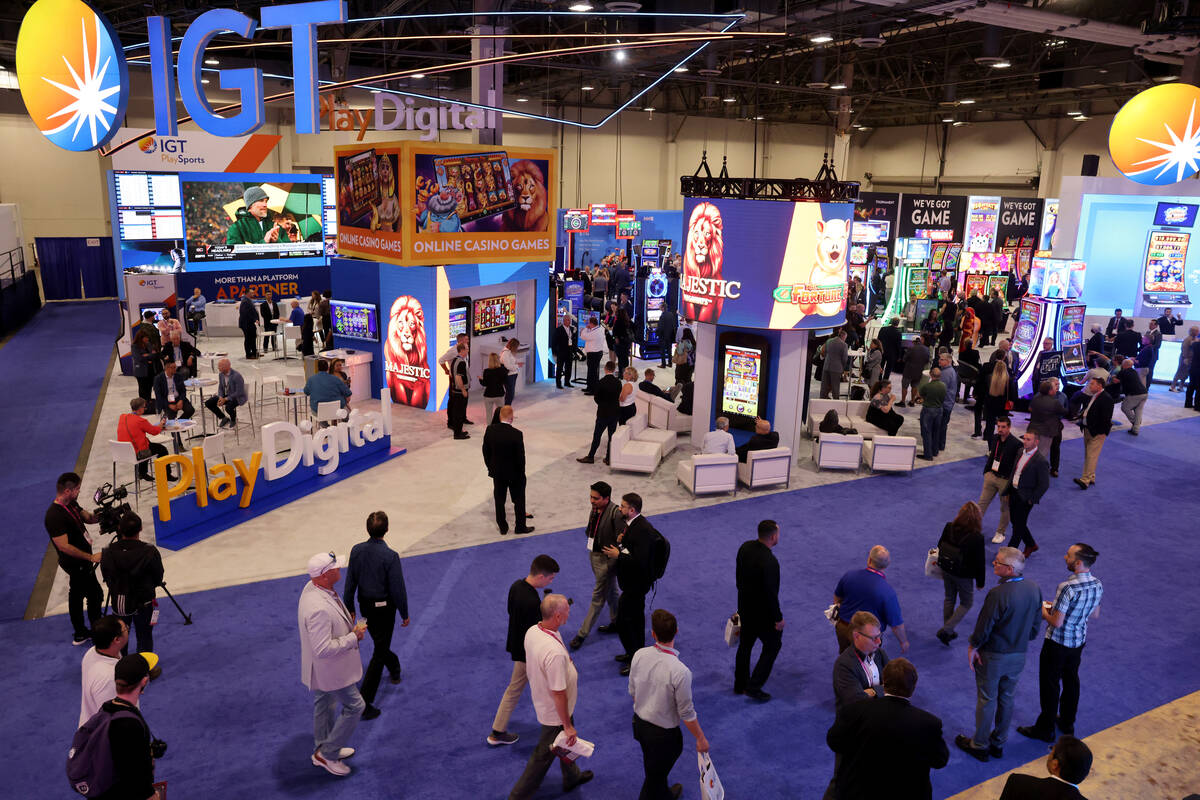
x=66 y=523
x=132 y=569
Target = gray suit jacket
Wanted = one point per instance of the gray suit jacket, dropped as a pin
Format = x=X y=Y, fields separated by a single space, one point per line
x=836 y=355
x=232 y=385
x=849 y=680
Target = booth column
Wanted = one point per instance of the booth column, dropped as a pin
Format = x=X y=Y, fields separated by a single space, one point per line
x=487 y=83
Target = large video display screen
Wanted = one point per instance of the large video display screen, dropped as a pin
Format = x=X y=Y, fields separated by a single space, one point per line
x=1029 y=322
x=1070 y=337
x=1166 y=255
x=355 y=320
x=743 y=360
x=493 y=314
x=252 y=218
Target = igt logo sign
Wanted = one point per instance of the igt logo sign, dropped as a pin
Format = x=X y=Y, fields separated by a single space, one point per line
x=70 y=82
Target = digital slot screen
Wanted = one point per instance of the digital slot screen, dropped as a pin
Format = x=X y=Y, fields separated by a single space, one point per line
x=1025 y=334
x=1175 y=215
x=858 y=254
x=918 y=250
x=494 y=314
x=355 y=320
x=743 y=373
x=870 y=231
x=1070 y=337
x=481 y=181
x=458 y=322
x=1166 y=254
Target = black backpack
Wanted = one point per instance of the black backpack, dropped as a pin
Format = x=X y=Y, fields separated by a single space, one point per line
x=90 y=768
x=950 y=558
x=660 y=554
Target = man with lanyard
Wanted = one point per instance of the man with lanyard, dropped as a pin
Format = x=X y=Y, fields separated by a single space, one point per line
x=195 y=310
x=633 y=555
x=456 y=403
x=661 y=686
x=605 y=523
x=1031 y=479
x=445 y=363
x=868 y=590
x=1167 y=322
x=856 y=671
x=1096 y=422
x=594 y=348
x=375 y=573
x=66 y=523
x=997 y=472
x=1076 y=601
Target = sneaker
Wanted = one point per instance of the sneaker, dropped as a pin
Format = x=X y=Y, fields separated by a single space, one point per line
x=584 y=777
x=497 y=738
x=78 y=639
x=331 y=765
x=998 y=538
x=345 y=753
x=577 y=643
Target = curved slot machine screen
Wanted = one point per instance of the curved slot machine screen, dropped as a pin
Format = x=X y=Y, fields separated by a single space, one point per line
x=743 y=360
x=493 y=314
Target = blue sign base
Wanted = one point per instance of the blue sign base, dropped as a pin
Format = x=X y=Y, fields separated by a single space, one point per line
x=190 y=523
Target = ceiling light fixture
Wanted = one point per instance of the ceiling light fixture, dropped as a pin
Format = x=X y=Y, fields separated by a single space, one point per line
x=418 y=75
x=204 y=80
x=1005 y=64
x=580 y=7
x=820 y=38
x=729 y=100
x=619 y=55
x=947 y=119
x=1081 y=117
x=522 y=99
x=587 y=88
x=212 y=62
x=836 y=86
x=648 y=108
x=1074 y=112
x=759 y=119
x=681 y=69
x=966 y=102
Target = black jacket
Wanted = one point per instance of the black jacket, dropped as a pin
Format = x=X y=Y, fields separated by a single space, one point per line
x=133 y=767
x=633 y=568
x=889 y=337
x=887 y=747
x=849 y=679
x=1128 y=342
x=971 y=546
x=504 y=452
x=608 y=397
x=758 y=584
x=132 y=569
x=1006 y=452
x=247 y=316
x=560 y=342
x=190 y=354
x=270 y=313
x=1027 y=787
x=759 y=441
x=648 y=387
x=493 y=381
x=160 y=391
x=1098 y=420
x=1034 y=481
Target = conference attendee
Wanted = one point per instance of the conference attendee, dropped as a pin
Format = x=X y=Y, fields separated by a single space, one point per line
x=607 y=395
x=880 y=412
x=330 y=666
x=1134 y=389
x=933 y=398
x=170 y=394
x=508 y=360
x=194 y=306
x=891 y=342
x=687 y=393
x=999 y=315
x=132 y=570
x=492 y=381
x=375 y=576
x=182 y=353
x=323 y=387
x=145 y=364
x=326 y=307
x=1095 y=420
x=1031 y=479
x=308 y=335
x=554 y=687
x=1076 y=600
x=1193 y=384
x=968 y=370
x=504 y=456
x=635 y=564
x=757 y=577
x=314 y=310
x=458 y=394
x=66 y=524
x=269 y=310
x=887 y=746
x=1149 y=352
x=949 y=377
x=872 y=368
x=296 y=315
x=1127 y=342
x=997 y=473
x=562 y=345
x=148 y=326
x=626 y=402
x=857 y=669
x=129 y=757
x=961 y=559
x=997 y=396
x=524 y=613
x=605 y=523
x=594 y=347
x=647 y=386
x=1179 y=379
x=687 y=364
x=763 y=439
x=446 y=358
x=136 y=429
x=1168 y=322
x=661 y=687
x=109 y=636
x=837 y=362
x=1069 y=763
x=1114 y=323
x=667 y=324
x=1009 y=620
x=337 y=368
x=719 y=440
x=231 y=393
x=868 y=590
x=248 y=322
x=915 y=360
x=1045 y=415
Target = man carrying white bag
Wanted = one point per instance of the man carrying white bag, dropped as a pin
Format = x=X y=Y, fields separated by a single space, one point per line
x=662 y=698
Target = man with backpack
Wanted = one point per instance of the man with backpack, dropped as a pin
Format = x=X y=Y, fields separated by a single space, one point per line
x=641 y=554
x=111 y=755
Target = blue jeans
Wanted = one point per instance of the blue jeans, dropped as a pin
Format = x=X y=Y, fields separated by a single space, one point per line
x=996 y=683
x=931 y=421
x=331 y=731
x=945 y=427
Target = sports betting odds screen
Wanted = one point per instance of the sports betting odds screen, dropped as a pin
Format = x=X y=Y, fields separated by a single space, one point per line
x=492 y=314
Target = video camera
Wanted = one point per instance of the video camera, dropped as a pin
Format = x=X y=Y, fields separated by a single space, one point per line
x=109 y=508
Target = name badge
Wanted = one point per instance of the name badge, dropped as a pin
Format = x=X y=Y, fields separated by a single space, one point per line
x=591 y=543
x=380 y=603
x=996 y=466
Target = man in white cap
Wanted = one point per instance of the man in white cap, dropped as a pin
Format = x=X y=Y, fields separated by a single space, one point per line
x=254 y=224
x=329 y=662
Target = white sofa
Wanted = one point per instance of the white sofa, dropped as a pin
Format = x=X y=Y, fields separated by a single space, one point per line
x=637 y=448
x=707 y=473
x=851 y=414
x=890 y=453
x=766 y=467
x=642 y=432
x=663 y=414
x=837 y=451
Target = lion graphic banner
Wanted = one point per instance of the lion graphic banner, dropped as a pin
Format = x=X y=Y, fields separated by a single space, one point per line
x=765 y=263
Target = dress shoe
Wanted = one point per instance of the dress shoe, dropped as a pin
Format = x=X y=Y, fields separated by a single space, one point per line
x=1033 y=733
x=943 y=637
x=586 y=460
x=371 y=712
x=758 y=694
x=625 y=671
x=1031 y=549
x=577 y=643
x=345 y=753
x=462 y=436
x=606 y=462
x=395 y=677
x=584 y=777
x=1079 y=482
x=1053 y=473
x=504 y=531
x=527 y=529
x=964 y=743
x=609 y=628
x=995 y=752
x=624 y=658
x=738 y=690
x=925 y=458
x=677 y=791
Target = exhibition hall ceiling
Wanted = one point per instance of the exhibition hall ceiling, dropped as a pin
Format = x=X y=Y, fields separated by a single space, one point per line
x=857 y=64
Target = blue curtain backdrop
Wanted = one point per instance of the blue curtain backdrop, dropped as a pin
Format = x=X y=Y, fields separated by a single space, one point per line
x=72 y=270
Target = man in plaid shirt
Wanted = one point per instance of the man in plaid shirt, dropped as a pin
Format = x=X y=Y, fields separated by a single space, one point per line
x=1077 y=601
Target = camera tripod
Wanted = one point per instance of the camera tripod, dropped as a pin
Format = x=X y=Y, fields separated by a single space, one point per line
x=187 y=618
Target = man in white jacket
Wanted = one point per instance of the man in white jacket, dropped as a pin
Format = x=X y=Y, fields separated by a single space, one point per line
x=329 y=662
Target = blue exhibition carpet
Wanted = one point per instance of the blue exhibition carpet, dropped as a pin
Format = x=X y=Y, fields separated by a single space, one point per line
x=238 y=720
x=51 y=372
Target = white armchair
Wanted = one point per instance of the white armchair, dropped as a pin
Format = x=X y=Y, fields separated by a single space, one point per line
x=766 y=467
x=707 y=473
x=642 y=432
x=890 y=453
x=837 y=451
x=663 y=414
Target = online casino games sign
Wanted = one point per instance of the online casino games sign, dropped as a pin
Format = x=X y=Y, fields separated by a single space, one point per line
x=765 y=264
x=367 y=181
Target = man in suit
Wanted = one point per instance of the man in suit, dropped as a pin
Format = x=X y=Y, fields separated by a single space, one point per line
x=634 y=555
x=1030 y=480
x=231 y=393
x=890 y=340
x=758 y=608
x=1069 y=763
x=837 y=361
x=1114 y=323
x=647 y=386
x=182 y=353
x=170 y=395
x=608 y=411
x=605 y=523
x=1096 y=422
x=887 y=746
x=504 y=455
x=330 y=665
x=248 y=322
x=668 y=323
x=269 y=310
x=562 y=344
x=857 y=670
x=763 y=439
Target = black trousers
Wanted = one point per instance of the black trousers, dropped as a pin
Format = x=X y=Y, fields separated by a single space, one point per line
x=269 y=337
x=144 y=468
x=561 y=369
x=381 y=622
x=1018 y=512
x=250 y=340
x=665 y=341
x=139 y=623
x=661 y=748
x=1055 y=452
x=1193 y=386
x=230 y=408
x=456 y=411
x=772 y=641
x=539 y=764
x=146 y=387
x=187 y=411
x=622 y=349
x=602 y=423
x=886 y=365
x=593 y=370
x=1058 y=664
x=631 y=620
x=83 y=586
x=501 y=488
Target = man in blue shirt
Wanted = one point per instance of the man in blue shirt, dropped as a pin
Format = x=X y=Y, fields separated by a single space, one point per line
x=325 y=388
x=868 y=590
x=375 y=573
x=195 y=310
x=296 y=315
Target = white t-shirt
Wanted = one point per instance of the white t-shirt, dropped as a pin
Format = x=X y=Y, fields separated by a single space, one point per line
x=509 y=361
x=549 y=668
x=99 y=685
x=449 y=355
x=593 y=340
